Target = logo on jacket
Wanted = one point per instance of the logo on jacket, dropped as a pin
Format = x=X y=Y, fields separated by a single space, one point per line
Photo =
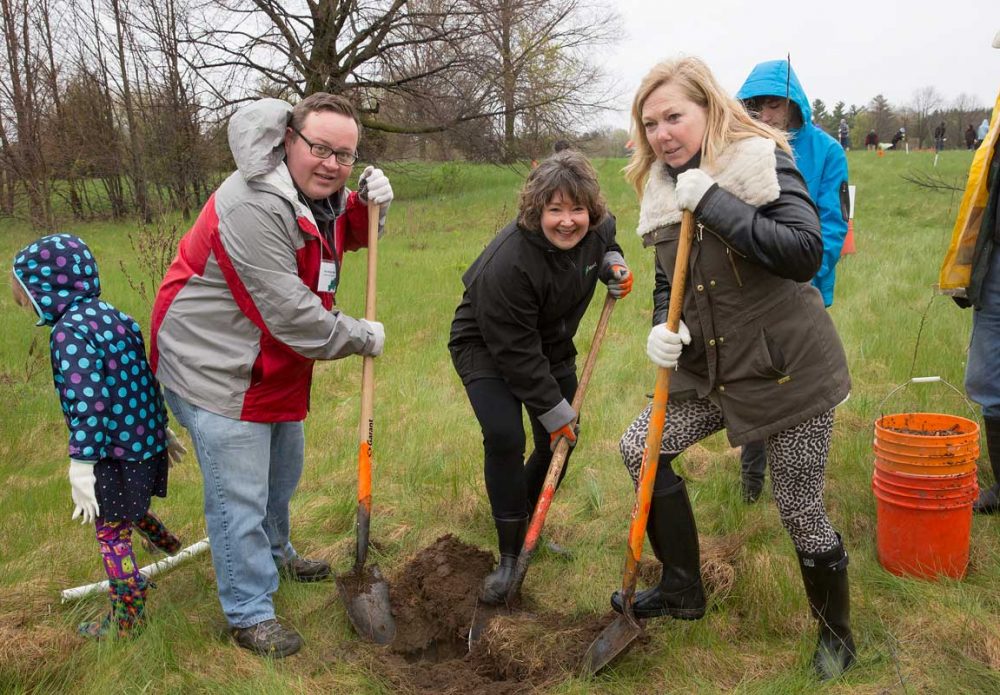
x=588 y=268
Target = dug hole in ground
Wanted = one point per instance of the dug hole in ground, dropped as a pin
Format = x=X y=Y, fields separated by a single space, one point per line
x=518 y=651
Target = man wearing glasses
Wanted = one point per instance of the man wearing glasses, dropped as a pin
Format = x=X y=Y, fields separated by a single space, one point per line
x=245 y=309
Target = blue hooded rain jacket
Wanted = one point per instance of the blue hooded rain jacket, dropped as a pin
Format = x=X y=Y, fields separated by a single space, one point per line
x=818 y=156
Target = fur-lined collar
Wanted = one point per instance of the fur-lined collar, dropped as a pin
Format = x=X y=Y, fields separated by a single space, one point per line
x=746 y=169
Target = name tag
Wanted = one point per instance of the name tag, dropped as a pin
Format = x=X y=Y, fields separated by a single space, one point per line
x=327 y=276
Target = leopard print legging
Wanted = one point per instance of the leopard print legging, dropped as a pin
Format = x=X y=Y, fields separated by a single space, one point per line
x=797 y=458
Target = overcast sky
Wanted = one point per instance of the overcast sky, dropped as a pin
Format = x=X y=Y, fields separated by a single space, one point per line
x=845 y=50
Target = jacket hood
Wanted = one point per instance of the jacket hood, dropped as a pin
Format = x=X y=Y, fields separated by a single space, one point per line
x=56 y=272
x=776 y=78
x=257 y=135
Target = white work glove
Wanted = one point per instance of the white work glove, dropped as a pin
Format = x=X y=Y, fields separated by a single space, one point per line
x=378 y=338
x=691 y=188
x=175 y=449
x=83 y=482
x=373 y=185
x=664 y=347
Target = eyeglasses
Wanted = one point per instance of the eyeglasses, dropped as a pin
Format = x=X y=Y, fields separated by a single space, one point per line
x=344 y=157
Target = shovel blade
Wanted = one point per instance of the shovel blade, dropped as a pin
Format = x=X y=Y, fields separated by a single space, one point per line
x=365 y=594
x=612 y=641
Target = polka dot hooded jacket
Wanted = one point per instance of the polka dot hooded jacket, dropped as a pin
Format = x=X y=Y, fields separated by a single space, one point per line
x=109 y=396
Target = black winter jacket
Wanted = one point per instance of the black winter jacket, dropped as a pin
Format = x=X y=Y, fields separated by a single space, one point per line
x=523 y=302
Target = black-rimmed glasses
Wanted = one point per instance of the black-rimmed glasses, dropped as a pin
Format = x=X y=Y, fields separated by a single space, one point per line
x=344 y=157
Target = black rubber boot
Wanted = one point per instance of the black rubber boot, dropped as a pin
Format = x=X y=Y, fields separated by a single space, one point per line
x=825 y=579
x=674 y=537
x=753 y=461
x=989 y=498
x=510 y=538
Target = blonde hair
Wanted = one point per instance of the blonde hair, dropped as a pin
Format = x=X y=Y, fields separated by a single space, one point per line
x=726 y=119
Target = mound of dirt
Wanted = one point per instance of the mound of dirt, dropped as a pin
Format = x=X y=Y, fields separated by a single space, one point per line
x=435 y=606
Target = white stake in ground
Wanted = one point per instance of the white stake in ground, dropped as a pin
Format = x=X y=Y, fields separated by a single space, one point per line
x=147 y=571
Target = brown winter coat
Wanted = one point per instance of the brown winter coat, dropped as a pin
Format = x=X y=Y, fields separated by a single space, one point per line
x=763 y=348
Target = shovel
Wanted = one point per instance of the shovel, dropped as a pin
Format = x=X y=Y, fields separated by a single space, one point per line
x=558 y=459
x=364 y=591
x=622 y=632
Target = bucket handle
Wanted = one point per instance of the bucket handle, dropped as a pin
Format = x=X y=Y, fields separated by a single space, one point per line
x=932 y=380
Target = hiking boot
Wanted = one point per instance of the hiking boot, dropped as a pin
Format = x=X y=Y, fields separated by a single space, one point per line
x=304 y=570
x=268 y=638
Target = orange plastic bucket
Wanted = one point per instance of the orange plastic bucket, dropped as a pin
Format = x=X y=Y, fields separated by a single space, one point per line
x=924 y=429
x=909 y=484
x=926 y=443
x=923 y=532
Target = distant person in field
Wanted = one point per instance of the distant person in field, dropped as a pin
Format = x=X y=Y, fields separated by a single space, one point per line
x=982 y=368
x=898 y=137
x=844 y=134
x=512 y=336
x=940 y=135
x=755 y=353
x=871 y=140
x=984 y=128
x=823 y=165
x=245 y=310
x=120 y=447
x=970 y=137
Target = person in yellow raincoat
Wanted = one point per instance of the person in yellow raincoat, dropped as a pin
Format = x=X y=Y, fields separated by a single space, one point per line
x=971 y=274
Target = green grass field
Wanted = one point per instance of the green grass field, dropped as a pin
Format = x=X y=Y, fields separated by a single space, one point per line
x=913 y=636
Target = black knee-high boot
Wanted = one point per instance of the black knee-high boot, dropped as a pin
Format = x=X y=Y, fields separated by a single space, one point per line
x=510 y=538
x=989 y=498
x=825 y=579
x=674 y=537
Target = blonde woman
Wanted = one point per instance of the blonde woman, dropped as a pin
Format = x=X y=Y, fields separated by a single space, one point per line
x=756 y=353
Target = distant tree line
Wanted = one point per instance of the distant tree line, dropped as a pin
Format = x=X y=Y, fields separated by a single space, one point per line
x=118 y=107
x=920 y=116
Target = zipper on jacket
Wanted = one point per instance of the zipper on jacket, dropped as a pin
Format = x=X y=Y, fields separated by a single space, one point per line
x=732 y=262
x=701 y=229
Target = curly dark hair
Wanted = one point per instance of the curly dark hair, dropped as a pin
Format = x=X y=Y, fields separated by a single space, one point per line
x=567 y=172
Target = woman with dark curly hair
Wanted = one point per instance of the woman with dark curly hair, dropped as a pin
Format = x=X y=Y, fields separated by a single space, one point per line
x=512 y=336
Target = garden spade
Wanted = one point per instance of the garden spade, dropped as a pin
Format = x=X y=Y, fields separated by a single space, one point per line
x=558 y=461
x=364 y=591
x=623 y=631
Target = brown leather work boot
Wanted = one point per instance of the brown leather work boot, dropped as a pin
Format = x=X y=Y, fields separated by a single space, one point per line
x=304 y=570
x=268 y=638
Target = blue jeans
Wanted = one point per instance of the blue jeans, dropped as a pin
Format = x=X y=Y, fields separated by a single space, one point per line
x=251 y=470
x=982 y=371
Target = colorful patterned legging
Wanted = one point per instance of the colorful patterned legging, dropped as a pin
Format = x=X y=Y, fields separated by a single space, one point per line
x=115 y=541
x=797 y=458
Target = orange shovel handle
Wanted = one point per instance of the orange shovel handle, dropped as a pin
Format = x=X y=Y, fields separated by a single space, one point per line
x=654 y=436
x=366 y=428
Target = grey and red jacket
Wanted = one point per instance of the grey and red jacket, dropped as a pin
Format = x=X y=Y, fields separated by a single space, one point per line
x=239 y=319
x=523 y=302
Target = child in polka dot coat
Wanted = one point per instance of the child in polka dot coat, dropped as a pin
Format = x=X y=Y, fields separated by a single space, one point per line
x=119 y=444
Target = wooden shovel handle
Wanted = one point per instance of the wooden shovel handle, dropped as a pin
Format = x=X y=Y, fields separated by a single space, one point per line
x=367 y=426
x=559 y=457
x=654 y=436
